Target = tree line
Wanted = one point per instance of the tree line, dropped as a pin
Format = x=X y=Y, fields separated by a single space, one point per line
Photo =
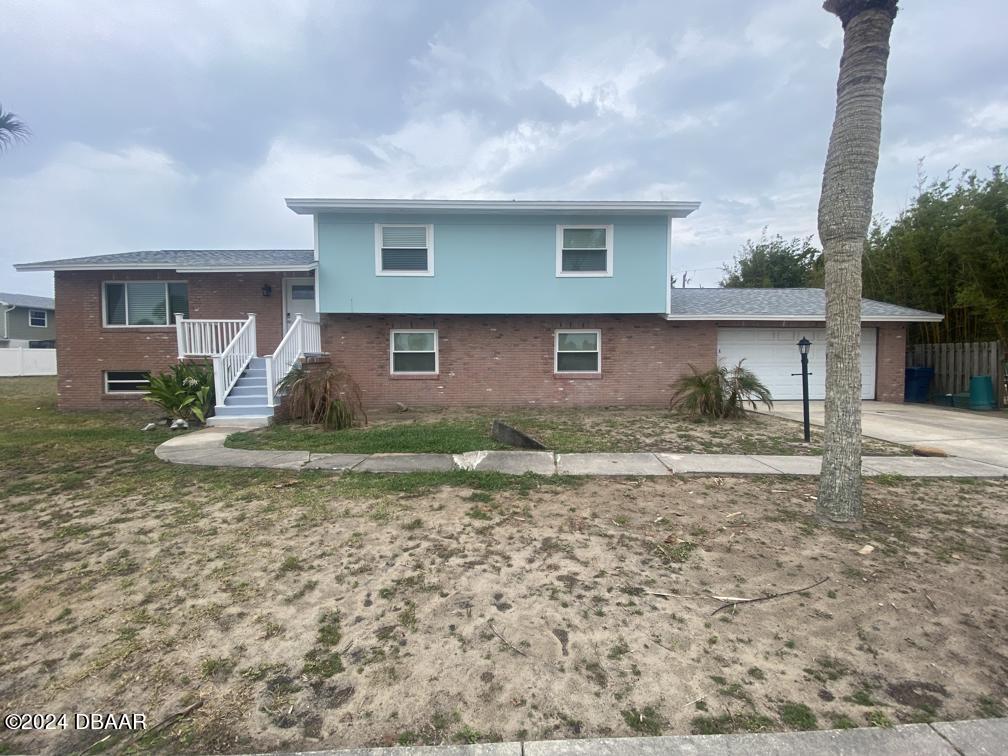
x=947 y=252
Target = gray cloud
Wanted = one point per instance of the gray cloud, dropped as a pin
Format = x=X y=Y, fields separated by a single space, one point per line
x=167 y=125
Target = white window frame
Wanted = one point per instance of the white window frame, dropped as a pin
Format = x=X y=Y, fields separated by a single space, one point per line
x=45 y=318
x=170 y=315
x=378 y=248
x=607 y=273
x=437 y=356
x=105 y=375
x=556 y=350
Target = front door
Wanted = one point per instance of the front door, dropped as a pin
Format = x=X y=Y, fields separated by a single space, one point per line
x=299 y=299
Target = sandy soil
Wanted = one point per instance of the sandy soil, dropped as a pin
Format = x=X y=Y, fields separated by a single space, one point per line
x=299 y=617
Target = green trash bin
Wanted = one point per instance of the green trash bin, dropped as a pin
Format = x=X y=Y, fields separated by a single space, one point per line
x=981 y=395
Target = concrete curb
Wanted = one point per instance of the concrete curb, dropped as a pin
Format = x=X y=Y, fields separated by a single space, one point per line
x=206 y=447
x=977 y=737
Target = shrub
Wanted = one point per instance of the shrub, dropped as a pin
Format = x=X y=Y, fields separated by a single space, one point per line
x=322 y=396
x=719 y=392
x=185 y=391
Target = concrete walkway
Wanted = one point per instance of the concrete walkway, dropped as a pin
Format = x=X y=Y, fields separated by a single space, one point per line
x=206 y=447
x=980 y=436
x=978 y=737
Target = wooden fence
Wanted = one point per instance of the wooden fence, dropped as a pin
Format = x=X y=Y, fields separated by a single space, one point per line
x=955 y=363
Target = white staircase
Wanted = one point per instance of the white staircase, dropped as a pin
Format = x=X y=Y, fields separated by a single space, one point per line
x=248 y=401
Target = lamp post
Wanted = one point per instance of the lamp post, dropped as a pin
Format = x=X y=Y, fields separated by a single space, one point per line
x=803 y=347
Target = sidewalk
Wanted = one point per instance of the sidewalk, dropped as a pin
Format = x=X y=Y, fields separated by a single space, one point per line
x=206 y=447
x=970 y=738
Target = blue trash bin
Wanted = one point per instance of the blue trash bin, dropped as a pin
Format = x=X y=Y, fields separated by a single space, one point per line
x=981 y=396
x=917 y=384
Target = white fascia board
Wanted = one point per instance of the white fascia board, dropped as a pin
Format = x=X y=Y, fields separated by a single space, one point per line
x=926 y=318
x=250 y=269
x=309 y=206
x=163 y=266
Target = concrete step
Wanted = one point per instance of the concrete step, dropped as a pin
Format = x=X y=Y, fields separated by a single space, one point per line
x=254 y=373
x=246 y=382
x=243 y=411
x=246 y=401
x=258 y=362
x=245 y=423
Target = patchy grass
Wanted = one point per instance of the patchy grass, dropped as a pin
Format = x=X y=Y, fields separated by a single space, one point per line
x=356 y=610
x=560 y=429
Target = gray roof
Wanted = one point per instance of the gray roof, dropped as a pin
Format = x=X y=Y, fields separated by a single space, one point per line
x=186 y=259
x=27 y=300
x=777 y=304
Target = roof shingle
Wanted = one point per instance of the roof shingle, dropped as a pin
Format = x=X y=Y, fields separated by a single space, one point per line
x=27 y=300
x=275 y=259
x=790 y=304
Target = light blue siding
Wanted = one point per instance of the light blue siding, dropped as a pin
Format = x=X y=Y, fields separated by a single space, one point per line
x=492 y=264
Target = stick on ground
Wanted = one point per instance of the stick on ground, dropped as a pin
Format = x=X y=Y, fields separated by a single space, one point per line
x=504 y=640
x=732 y=602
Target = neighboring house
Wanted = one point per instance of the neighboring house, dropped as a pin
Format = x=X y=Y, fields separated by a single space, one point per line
x=431 y=302
x=27 y=321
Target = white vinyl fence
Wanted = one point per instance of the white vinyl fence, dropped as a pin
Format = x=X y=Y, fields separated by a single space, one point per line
x=22 y=361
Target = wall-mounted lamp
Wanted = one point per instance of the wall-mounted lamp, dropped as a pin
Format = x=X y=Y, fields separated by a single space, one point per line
x=267 y=290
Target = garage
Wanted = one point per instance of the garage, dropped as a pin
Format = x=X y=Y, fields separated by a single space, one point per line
x=772 y=354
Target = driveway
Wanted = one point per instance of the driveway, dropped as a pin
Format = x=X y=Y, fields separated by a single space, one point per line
x=980 y=436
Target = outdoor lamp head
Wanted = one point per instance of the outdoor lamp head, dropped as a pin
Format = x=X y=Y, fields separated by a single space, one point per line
x=804 y=345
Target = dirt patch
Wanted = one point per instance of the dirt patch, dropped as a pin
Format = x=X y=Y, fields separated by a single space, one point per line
x=558 y=616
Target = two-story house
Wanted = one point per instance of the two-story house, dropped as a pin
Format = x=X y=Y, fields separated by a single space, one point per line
x=27 y=321
x=445 y=302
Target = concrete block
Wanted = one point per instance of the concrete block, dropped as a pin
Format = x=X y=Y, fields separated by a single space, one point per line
x=404 y=463
x=641 y=463
x=719 y=464
x=518 y=462
x=977 y=737
x=339 y=462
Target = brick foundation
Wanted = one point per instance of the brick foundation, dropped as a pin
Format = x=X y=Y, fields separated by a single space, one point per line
x=508 y=360
x=890 y=362
x=85 y=349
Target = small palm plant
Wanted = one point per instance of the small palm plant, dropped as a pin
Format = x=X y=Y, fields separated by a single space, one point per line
x=720 y=392
x=322 y=396
x=186 y=391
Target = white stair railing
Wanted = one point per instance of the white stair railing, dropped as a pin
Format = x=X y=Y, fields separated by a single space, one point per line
x=233 y=359
x=204 y=338
x=303 y=337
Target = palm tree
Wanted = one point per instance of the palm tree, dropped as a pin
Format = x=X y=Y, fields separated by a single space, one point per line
x=844 y=214
x=11 y=129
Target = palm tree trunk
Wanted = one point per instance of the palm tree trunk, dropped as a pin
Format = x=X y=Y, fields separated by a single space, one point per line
x=844 y=214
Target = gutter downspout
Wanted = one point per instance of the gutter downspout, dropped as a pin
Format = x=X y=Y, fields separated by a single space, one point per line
x=9 y=309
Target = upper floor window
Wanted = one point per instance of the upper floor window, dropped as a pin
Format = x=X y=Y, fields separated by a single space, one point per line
x=145 y=303
x=584 y=251
x=38 y=318
x=404 y=250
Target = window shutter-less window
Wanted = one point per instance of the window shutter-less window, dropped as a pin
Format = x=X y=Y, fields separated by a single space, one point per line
x=404 y=248
x=584 y=250
x=146 y=304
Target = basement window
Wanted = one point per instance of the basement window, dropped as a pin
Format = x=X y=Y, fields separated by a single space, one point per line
x=414 y=352
x=127 y=382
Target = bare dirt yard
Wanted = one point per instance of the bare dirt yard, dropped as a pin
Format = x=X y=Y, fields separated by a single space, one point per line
x=285 y=610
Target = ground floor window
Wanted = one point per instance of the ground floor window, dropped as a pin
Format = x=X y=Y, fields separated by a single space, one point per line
x=413 y=352
x=578 y=352
x=126 y=382
x=145 y=303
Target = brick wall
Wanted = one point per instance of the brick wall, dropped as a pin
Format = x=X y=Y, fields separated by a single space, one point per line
x=890 y=361
x=85 y=349
x=498 y=360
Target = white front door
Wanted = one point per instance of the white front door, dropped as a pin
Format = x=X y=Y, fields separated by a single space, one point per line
x=299 y=299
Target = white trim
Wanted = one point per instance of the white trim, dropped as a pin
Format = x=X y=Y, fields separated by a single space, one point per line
x=315 y=247
x=45 y=318
x=168 y=314
x=556 y=351
x=607 y=273
x=668 y=269
x=307 y=206
x=437 y=356
x=105 y=374
x=815 y=318
x=22 y=267
x=378 y=249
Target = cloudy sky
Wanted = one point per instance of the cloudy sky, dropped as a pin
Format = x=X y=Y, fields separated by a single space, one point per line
x=184 y=124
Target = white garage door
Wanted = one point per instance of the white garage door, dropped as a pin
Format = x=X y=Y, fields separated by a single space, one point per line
x=772 y=353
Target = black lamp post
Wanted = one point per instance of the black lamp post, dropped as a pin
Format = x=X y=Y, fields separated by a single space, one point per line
x=803 y=347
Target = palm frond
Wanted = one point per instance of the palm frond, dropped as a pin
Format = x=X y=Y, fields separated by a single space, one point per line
x=12 y=129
